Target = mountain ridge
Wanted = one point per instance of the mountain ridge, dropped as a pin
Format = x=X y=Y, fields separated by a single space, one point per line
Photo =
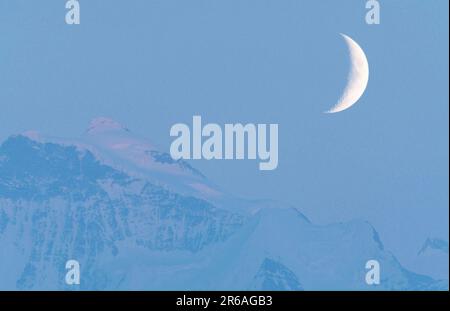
x=60 y=201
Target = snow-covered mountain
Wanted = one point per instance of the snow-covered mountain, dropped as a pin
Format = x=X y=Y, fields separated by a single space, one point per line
x=136 y=219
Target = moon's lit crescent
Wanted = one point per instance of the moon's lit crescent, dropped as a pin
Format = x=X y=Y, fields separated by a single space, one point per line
x=357 y=79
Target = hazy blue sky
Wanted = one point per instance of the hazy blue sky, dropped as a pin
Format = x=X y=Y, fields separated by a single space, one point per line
x=152 y=63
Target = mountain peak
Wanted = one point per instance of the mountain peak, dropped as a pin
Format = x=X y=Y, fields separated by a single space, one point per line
x=33 y=135
x=104 y=124
x=434 y=243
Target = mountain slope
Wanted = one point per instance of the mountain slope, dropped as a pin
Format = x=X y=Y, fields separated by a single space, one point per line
x=432 y=258
x=57 y=202
x=129 y=215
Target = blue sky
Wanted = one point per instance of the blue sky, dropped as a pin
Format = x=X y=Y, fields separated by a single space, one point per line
x=150 y=64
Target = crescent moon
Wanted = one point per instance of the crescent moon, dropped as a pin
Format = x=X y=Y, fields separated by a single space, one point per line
x=358 y=77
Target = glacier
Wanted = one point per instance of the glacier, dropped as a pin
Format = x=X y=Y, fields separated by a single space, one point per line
x=135 y=219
